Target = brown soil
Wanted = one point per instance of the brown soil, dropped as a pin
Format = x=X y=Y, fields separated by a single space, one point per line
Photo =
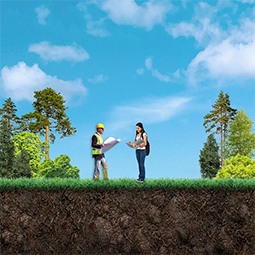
x=127 y=222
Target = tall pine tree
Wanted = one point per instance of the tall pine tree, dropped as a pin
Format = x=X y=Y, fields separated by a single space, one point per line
x=219 y=118
x=49 y=114
x=8 y=113
x=241 y=138
x=209 y=158
x=7 y=151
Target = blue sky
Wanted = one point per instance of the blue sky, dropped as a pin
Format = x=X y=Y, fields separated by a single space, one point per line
x=162 y=63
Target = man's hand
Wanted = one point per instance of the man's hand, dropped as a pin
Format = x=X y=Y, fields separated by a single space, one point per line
x=102 y=145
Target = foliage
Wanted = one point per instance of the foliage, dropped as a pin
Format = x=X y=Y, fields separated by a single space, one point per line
x=209 y=158
x=237 y=167
x=7 y=151
x=35 y=148
x=21 y=167
x=241 y=138
x=127 y=184
x=49 y=113
x=8 y=113
x=218 y=119
x=46 y=168
x=60 y=168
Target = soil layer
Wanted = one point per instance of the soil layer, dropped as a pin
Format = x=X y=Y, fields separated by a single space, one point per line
x=127 y=222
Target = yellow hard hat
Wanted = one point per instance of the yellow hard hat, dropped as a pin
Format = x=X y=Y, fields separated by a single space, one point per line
x=100 y=125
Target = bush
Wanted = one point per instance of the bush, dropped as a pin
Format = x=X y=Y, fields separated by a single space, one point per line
x=237 y=167
x=59 y=168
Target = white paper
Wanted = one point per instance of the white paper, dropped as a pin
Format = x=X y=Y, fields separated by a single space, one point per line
x=109 y=143
x=131 y=145
x=138 y=142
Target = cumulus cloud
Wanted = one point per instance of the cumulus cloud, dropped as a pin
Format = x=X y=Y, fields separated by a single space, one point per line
x=151 y=110
x=155 y=72
x=223 y=61
x=20 y=81
x=51 y=52
x=128 y=12
x=98 y=78
x=228 y=52
x=230 y=59
x=42 y=14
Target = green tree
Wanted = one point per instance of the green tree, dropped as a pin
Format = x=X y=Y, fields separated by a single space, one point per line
x=241 y=138
x=219 y=118
x=8 y=113
x=21 y=167
x=209 y=158
x=237 y=167
x=60 y=168
x=46 y=168
x=35 y=148
x=7 y=151
x=49 y=113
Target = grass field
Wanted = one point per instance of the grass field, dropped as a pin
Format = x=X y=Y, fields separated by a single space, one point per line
x=126 y=183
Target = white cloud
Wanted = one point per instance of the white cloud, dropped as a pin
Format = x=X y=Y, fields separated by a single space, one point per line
x=203 y=26
x=229 y=50
x=42 y=14
x=223 y=61
x=58 y=53
x=203 y=31
x=98 y=78
x=160 y=76
x=140 y=71
x=247 y=1
x=20 y=81
x=125 y=12
x=128 y=12
x=152 y=110
x=230 y=59
x=155 y=72
x=95 y=28
x=148 y=63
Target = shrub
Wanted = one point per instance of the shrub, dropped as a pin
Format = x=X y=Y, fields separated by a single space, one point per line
x=237 y=167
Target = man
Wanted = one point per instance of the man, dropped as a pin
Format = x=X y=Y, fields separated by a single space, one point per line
x=97 y=143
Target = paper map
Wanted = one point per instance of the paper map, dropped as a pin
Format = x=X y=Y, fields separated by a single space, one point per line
x=109 y=143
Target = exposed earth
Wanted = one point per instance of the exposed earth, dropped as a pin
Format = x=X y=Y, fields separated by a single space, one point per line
x=127 y=222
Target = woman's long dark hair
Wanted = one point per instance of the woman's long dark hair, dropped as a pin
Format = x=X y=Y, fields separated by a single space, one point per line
x=139 y=124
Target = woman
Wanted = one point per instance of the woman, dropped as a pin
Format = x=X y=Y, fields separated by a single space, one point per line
x=140 y=150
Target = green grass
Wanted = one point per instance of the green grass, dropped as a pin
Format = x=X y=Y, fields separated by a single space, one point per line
x=126 y=184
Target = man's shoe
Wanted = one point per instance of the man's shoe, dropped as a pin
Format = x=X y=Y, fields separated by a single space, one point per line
x=138 y=180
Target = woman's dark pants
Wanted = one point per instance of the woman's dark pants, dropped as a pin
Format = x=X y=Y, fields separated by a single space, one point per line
x=140 y=155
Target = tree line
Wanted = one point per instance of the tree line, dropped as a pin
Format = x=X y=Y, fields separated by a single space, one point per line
x=237 y=142
x=21 y=149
